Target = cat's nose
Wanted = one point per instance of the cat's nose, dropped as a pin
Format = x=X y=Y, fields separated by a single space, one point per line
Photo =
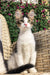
x=25 y=24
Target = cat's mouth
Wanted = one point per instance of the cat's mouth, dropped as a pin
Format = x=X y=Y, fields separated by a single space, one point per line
x=25 y=25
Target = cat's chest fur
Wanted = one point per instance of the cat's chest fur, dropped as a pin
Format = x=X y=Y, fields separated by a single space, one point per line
x=26 y=38
x=26 y=42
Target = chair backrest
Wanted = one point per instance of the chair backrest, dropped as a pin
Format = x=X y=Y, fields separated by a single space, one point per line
x=5 y=37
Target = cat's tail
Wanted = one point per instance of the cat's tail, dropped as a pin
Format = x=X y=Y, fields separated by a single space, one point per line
x=20 y=69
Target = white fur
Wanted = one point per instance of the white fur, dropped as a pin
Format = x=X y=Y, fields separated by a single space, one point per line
x=11 y=62
x=32 y=70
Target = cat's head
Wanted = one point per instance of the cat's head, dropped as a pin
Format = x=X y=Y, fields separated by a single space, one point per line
x=24 y=21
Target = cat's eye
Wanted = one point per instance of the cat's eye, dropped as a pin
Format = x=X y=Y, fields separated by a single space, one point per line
x=28 y=20
x=31 y=22
x=21 y=20
x=18 y=22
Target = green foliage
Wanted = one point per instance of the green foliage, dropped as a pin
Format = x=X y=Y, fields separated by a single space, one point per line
x=8 y=10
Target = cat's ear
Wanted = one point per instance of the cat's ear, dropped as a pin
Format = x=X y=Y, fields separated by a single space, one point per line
x=31 y=14
x=18 y=14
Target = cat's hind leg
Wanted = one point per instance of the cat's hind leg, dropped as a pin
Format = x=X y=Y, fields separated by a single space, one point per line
x=11 y=62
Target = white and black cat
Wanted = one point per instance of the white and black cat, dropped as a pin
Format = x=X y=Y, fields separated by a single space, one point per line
x=26 y=52
x=24 y=59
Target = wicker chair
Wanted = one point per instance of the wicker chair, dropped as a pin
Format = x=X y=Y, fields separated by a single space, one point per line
x=42 y=46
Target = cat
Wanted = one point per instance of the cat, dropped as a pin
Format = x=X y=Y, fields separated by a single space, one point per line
x=24 y=57
x=26 y=53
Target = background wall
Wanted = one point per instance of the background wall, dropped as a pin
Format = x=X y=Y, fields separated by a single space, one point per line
x=33 y=1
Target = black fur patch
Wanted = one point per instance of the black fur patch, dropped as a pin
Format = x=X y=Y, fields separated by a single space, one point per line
x=1 y=48
x=20 y=69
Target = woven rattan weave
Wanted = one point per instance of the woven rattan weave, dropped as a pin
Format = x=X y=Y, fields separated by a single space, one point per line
x=6 y=42
x=43 y=50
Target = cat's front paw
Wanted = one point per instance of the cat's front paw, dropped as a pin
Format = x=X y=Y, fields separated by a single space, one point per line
x=24 y=72
x=32 y=70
